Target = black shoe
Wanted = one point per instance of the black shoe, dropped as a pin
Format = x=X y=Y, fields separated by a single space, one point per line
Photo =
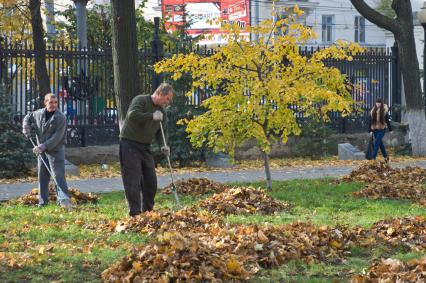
x=387 y=159
x=40 y=205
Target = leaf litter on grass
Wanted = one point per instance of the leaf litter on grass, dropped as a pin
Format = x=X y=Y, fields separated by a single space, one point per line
x=241 y=200
x=195 y=245
x=384 y=181
x=219 y=253
x=231 y=253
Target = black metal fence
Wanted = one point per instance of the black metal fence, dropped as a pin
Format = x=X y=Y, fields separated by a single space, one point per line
x=83 y=80
x=370 y=75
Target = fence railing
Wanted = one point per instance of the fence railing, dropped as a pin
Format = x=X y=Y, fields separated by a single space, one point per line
x=83 y=81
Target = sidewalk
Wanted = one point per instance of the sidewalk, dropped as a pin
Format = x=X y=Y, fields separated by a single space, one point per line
x=9 y=191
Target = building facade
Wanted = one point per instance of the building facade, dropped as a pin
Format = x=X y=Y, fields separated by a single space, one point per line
x=330 y=19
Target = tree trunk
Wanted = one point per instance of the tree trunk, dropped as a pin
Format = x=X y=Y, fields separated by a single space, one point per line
x=403 y=30
x=267 y=171
x=417 y=131
x=124 y=54
x=40 y=51
x=415 y=111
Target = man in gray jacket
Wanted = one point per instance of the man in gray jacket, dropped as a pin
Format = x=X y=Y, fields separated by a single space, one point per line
x=50 y=127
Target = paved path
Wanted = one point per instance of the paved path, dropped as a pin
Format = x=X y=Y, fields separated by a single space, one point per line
x=8 y=191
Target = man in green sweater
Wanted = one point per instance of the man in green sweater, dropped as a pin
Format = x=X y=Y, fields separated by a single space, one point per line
x=141 y=126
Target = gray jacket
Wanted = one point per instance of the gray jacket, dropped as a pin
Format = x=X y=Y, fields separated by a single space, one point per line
x=51 y=133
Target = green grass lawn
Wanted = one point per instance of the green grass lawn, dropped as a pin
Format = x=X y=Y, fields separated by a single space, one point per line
x=53 y=245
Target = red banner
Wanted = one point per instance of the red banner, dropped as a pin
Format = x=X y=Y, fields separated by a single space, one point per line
x=203 y=16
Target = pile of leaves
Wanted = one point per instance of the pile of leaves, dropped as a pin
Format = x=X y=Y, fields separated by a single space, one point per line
x=408 y=231
x=399 y=190
x=196 y=187
x=377 y=171
x=224 y=254
x=181 y=257
x=75 y=194
x=157 y=221
x=369 y=172
x=393 y=270
x=386 y=182
x=242 y=200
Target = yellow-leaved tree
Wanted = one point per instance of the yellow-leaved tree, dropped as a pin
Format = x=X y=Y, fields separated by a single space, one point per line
x=256 y=85
x=15 y=22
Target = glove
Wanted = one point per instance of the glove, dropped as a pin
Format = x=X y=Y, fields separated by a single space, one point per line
x=157 y=116
x=39 y=149
x=26 y=130
x=165 y=150
x=371 y=133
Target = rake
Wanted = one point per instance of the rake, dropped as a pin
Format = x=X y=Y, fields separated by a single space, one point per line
x=47 y=167
x=174 y=190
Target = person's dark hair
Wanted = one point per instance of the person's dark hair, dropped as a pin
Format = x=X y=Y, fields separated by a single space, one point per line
x=164 y=89
x=381 y=110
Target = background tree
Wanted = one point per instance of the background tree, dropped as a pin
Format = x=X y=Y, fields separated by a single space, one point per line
x=42 y=76
x=15 y=20
x=21 y=21
x=98 y=25
x=124 y=54
x=99 y=32
x=402 y=28
x=257 y=84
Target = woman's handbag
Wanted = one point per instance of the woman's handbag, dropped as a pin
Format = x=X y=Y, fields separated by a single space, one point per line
x=370 y=148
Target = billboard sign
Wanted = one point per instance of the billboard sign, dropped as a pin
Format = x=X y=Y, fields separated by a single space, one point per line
x=206 y=17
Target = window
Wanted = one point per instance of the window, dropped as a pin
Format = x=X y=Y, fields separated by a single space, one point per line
x=359 y=29
x=327 y=28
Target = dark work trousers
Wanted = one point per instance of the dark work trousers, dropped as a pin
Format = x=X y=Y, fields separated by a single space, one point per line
x=56 y=162
x=138 y=173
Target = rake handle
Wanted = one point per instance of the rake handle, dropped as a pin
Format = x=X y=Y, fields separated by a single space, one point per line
x=170 y=168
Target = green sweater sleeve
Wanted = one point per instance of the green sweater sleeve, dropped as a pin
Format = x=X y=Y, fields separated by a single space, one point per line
x=138 y=110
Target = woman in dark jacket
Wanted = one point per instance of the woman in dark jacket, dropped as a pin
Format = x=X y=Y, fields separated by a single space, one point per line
x=379 y=122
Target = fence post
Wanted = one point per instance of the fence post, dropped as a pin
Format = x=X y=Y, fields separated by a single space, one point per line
x=396 y=83
x=343 y=124
x=157 y=53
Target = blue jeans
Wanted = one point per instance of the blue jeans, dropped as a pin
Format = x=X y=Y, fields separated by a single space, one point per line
x=378 y=142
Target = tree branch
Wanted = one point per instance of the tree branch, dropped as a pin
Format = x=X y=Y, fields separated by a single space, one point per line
x=242 y=49
x=244 y=68
x=376 y=17
x=25 y=15
x=256 y=121
x=271 y=33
